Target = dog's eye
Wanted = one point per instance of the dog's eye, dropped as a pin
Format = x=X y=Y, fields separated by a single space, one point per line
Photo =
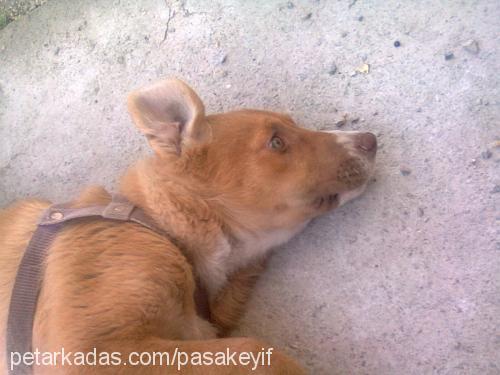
x=276 y=143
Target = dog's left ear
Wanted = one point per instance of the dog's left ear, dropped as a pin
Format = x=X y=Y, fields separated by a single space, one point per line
x=170 y=114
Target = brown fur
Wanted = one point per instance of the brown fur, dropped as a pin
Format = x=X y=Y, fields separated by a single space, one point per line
x=228 y=197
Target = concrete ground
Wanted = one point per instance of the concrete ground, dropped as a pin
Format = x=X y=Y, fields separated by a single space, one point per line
x=405 y=280
x=11 y=10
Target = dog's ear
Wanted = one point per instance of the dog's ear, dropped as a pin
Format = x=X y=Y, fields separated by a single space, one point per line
x=170 y=114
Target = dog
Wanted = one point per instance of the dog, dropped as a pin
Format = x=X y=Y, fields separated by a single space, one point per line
x=228 y=188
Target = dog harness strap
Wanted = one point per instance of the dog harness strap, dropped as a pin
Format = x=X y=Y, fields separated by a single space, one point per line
x=24 y=297
x=118 y=209
x=29 y=275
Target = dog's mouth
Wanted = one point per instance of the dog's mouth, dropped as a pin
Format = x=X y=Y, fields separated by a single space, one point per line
x=327 y=201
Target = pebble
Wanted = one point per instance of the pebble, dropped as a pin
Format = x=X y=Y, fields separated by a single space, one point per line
x=341 y=122
x=56 y=51
x=420 y=212
x=223 y=58
x=471 y=46
x=405 y=171
x=496 y=189
x=397 y=44
x=448 y=56
x=333 y=69
x=361 y=18
x=290 y=5
x=486 y=154
x=344 y=34
x=307 y=16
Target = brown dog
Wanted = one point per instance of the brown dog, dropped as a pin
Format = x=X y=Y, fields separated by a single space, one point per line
x=229 y=187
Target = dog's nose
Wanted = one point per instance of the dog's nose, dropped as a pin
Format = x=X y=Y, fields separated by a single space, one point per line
x=366 y=142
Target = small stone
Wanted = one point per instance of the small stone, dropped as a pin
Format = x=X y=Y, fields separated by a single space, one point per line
x=82 y=26
x=420 y=212
x=397 y=44
x=419 y=109
x=471 y=46
x=333 y=69
x=496 y=189
x=307 y=16
x=486 y=154
x=290 y=5
x=355 y=120
x=361 y=18
x=405 y=171
x=223 y=58
x=364 y=68
x=56 y=51
x=341 y=122
x=448 y=56
x=344 y=34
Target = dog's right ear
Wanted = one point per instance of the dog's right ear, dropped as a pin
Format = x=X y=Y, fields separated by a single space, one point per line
x=170 y=114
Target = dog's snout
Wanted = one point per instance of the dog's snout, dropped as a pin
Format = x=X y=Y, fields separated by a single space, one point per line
x=366 y=142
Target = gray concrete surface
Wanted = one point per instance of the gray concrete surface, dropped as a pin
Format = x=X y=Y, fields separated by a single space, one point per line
x=11 y=10
x=405 y=280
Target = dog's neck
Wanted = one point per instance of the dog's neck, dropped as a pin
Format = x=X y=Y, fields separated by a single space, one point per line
x=215 y=245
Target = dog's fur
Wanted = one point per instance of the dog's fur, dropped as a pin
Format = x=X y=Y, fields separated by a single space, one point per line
x=228 y=191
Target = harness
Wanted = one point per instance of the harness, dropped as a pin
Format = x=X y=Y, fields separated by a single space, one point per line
x=29 y=275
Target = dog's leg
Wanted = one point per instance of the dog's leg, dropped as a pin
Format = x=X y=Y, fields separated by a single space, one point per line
x=228 y=307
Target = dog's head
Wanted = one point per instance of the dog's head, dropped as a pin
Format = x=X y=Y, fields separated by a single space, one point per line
x=258 y=166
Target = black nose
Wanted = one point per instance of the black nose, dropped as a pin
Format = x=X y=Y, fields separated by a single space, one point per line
x=366 y=142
